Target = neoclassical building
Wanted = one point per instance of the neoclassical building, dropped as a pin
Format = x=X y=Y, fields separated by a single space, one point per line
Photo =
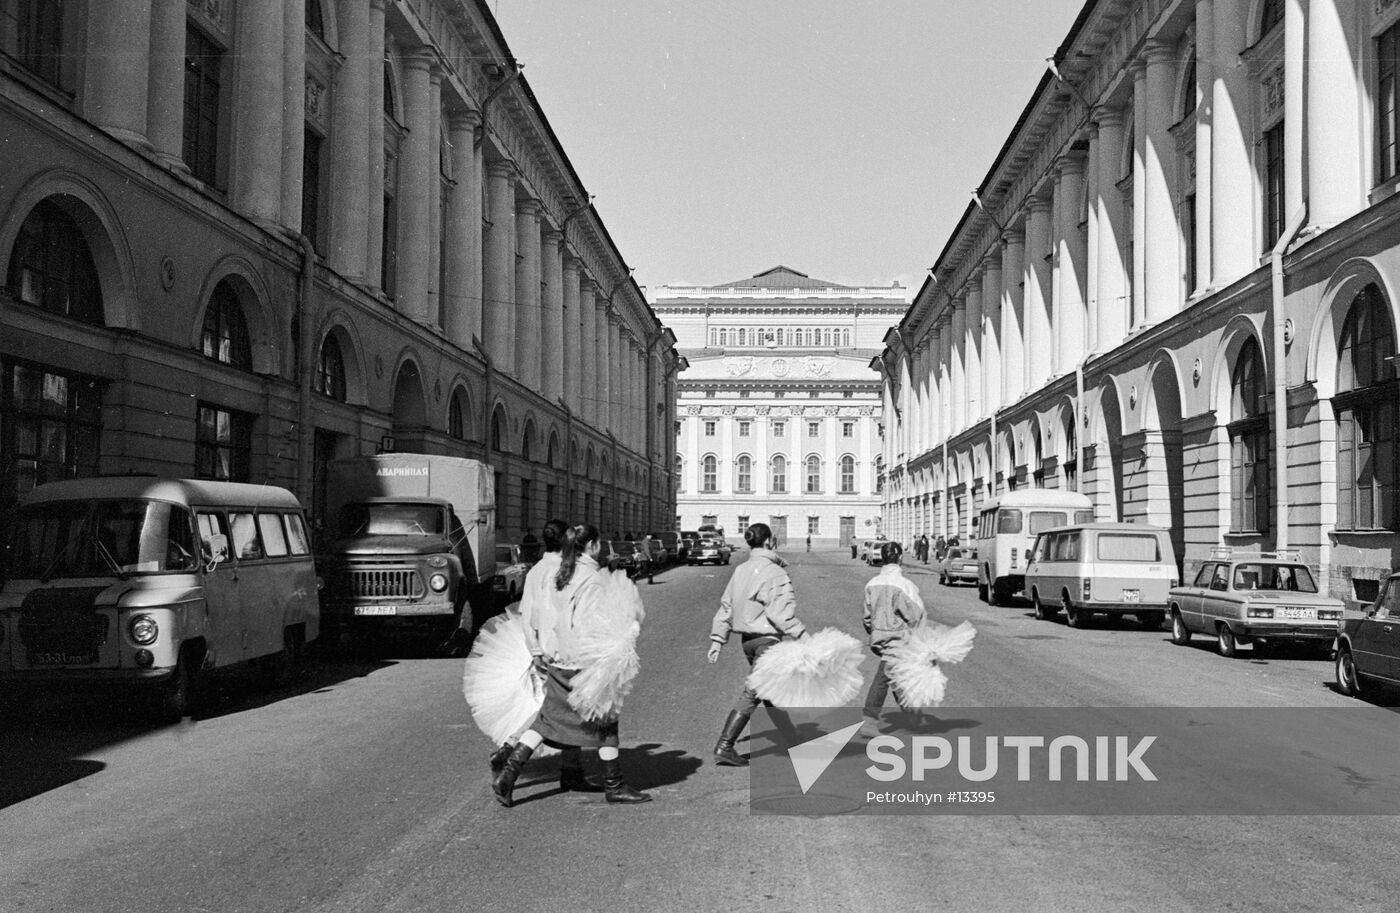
x=1175 y=291
x=244 y=238
x=779 y=416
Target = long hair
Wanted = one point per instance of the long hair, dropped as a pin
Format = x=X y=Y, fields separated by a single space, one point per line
x=576 y=542
x=553 y=535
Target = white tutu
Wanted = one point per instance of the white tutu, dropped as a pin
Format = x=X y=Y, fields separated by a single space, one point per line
x=499 y=682
x=822 y=670
x=607 y=651
x=913 y=663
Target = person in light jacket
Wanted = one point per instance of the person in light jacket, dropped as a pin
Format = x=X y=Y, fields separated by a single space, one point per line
x=759 y=603
x=893 y=608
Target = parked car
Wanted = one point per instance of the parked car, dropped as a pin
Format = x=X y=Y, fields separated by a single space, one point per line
x=709 y=551
x=689 y=541
x=1258 y=598
x=1108 y=568
x=672 y=543
x=1368 y=646
x=511 y=568
x=619 y=554
x=959 y=565
x=870 y=550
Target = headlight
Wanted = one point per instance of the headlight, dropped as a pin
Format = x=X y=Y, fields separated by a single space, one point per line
x=438 y=582
x=437 y=561
x=143 y=630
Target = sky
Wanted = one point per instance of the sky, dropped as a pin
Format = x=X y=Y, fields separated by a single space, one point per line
x=840 y=138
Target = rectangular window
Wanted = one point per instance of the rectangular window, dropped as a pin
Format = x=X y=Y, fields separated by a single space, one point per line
x=709 y=429
x=1274 y=214
x=779 y=429
x=1366 y=468
x=32 y=32
x=273 y=536
x=223 y=444
x=744 y=429
x=1137 y=547
x=1387 y=111
x=814 y=526
x=203 y=66
x=311 y=188
x=1249 y=479
x=244 y=544
x=814 y=429
x=743 y=523
x=297 y=539
x=709 y=520
x=848 y=429
x=50 y=424
x=1188 y=230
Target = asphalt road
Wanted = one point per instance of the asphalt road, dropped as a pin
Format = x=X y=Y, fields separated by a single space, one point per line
x=362 y=786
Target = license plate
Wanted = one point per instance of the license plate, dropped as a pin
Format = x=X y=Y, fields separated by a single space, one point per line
x=62 y=659
x=1294 y=612
x=1132 y=595
x=376 y=610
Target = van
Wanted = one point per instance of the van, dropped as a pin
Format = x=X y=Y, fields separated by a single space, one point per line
x=1102 y=568
x=1005 y=530
x=150 y=583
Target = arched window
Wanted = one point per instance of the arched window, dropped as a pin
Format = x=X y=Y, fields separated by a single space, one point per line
x=709 y=473
x=315 y=24
x=553 y=452
x=743 y=337
x=743 y=474
x=779 y=485
x=52 y=268
x=848 y=474
x=225 y=334
x=1249 y=442
x=782 y=336
x=724 y=336
x=496 y=429
x=1366 y=404
x=330 y=369
x=526 y=441
x=814 y=475
x=457 y=417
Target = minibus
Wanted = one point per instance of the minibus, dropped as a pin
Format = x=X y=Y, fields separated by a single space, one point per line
x=1006 y=529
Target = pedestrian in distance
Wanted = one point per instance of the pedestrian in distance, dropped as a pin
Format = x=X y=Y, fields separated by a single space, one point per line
x=579 y=609
x=893 y=608
x=758 y=602
x=644 y=564
x=923 y=548
x=940 y=547
x=809 y=543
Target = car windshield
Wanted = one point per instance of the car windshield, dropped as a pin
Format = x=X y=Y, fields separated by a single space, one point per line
x=505 y=554
x=100 y=539
x=624 y=548
x=391 y=520
x=1285 y=577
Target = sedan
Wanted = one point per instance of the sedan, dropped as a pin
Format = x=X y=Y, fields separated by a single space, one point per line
x=710 y=551
x=958 y=566
x=1368 y=646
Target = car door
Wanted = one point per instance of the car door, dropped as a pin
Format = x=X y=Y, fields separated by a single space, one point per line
x=1375 y=644
x=222 y=600
x=1216 y=602
x=1189 y=600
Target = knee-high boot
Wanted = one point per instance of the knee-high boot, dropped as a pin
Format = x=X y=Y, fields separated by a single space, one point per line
x=571 y=776
x=615 y=789
x=725 y=755
x=504 y=784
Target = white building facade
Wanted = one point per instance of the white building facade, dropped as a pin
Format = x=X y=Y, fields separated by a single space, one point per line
x=1176 y=291
x=779 y=416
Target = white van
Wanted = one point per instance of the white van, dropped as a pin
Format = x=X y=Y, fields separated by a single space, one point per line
x=1108 y=568
x=150 y=582
x=1005 y=530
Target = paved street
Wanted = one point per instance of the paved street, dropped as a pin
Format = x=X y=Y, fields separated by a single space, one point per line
x=362 y=786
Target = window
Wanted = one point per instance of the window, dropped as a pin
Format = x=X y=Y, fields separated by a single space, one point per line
x=724 y=337
x=330 y=370
x=244 y=536
x=709 y=394
x=1387 y=109
x=311 y=187
x=744 y=429
x=709 y=478
x=1129 y=547
x=1008 y=521
x=297 y=539
x=743 y=394
x=779 y=485
x=52 y=268
x=49 y=428
x=223 y=444
x=1366 y=404
x=743 y=474
x=225 y=335
x=457 y=417
x=33 y=32
x=1270 y=16
x=848 y=475
x=779 y=429
x=779 y=394
x=709 y=520
x=814 y=526
x=743 y=522
x=273 y=536
x=814 y=429
x=814 y=475
x=496 y=440
x=1249 y=443
x=1041 y=520
x=203 y=65
x=1274 y=214
x=709 y=429
x=848 y=429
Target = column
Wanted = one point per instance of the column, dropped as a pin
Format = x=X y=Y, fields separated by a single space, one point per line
x=118 y=66
x=615 y=391
x=1038 y=298
x=991 y=332
x=1335 y=185
x=417 y=193
x=462 y=297
x=1232 y=207
x=256 y=184
x=498 y=265
x=831 y=463
x=607 y=352
x=165 y=114
x=374 y=138
x=293 y=111
x=1091 y=267
x=433 y=281
x=573 y=331
x=916 y=399
x=1162 y=238
x=958 y=402
x=761 y=430
x=725 y=464
x=972 y=351
x=1205 y=108
x=552 y=300
x=528 y=329
x=349 y=147
x=945 y=377
x=1137 y=311
x=1013 y=264
x=1069 y=260
x=586 y=387
x=935 y=393
x=1111 y=308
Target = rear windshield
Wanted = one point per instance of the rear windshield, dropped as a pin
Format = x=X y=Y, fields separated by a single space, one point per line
x=1286 y=577
x=1041 y=520
x=100 y=539
x=1145 y=548
x=1008 y=521
x=391 y=520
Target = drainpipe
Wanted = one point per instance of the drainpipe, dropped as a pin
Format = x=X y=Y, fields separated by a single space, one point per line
x=1079 y=424
x=515 y=72
x=305 y=371
x=1295 y=224
x=485 y=425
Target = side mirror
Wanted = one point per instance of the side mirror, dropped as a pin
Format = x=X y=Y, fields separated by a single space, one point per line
x=215 y=551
